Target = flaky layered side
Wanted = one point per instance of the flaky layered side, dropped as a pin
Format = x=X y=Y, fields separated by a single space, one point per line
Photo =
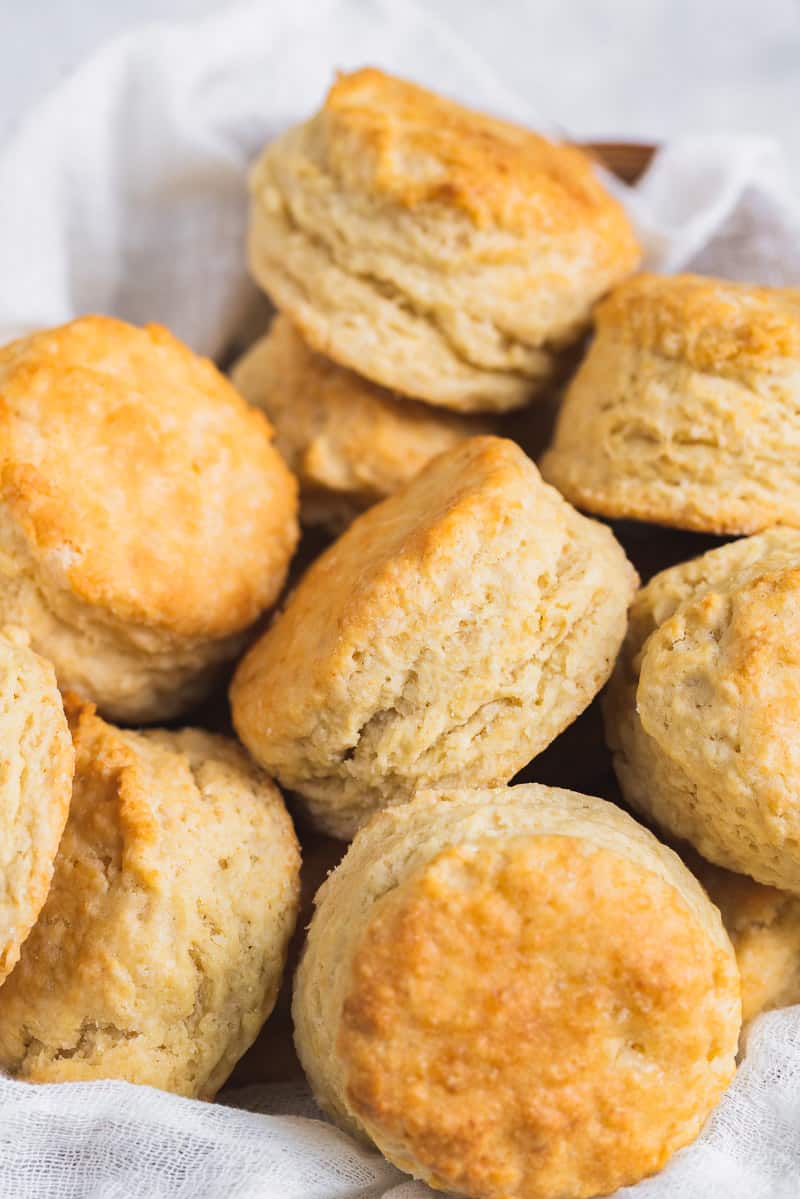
x=349 y=442
x=684 y=411
x=448 y=636
x=434 y=250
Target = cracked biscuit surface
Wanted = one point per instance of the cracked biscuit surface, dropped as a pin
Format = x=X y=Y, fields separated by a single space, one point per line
x=684 y=411
x=36 y=765
x=434 y=250
x=349 y=442
x=159 y=952
x=702 y=710
x=568 y=1054
x=127 y=462
x=447 y=636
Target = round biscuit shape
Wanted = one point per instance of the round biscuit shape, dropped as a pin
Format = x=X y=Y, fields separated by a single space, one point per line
x=128 y=463
x=159 y=952
x=484 y=994
x=701 y=712
x=349 y=442
x=684 y=411
x=447 y=637
x=434 y=250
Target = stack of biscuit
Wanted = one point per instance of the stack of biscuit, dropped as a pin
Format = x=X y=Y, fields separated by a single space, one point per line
x=683 y=414
x=151 y=878
x=431 y=266
x=511 y=988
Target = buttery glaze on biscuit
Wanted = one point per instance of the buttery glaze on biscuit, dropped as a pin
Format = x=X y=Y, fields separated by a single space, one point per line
x=146 y=519
x=684 y=411
x=437 y=251
x=159 y=952
x=349 y=442
x=35 y=785
x=702 y=710
x=447 y=636
x=567 y=1053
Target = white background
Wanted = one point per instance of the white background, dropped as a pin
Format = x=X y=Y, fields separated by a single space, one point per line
x=604 y=68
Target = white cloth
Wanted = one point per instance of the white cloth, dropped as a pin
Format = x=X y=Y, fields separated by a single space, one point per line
x=124 y=192
x=111 y=1140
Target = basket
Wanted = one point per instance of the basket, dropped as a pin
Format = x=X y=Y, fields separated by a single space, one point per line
x=627 y=160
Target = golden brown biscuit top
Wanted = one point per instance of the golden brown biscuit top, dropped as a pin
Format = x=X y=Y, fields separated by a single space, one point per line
x=764 y=927
x=371 y=576
x=713 y=324
x=509 y=1031
x=387 y=136
x=128 y=462
x=336 y=429
x=145 y=771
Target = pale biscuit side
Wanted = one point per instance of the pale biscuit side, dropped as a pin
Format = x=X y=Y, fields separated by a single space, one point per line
x=684 y=410
x=410 y=847
x=349 y=442
x=159 y=951
x=701 y=709
x=449 y=635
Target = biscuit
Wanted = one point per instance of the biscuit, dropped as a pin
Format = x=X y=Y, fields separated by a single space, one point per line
x=447 y=636
x=159 y=951
x=764 y=927
x=35 y=786
x=146 y=520
x=349 y=442
x=485 y=995
x=272 y=1057
x=703 y=709
x=684 y=411
x=437 y=251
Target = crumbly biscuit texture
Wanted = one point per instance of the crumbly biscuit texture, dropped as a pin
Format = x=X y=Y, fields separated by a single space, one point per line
x=448 y=636
x=702 y=711
x=349 y=442
x=127 y=465
x=434 y=250
x=35 y=787
x=684 y=411
x=567 y=1054
x=159 y=951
